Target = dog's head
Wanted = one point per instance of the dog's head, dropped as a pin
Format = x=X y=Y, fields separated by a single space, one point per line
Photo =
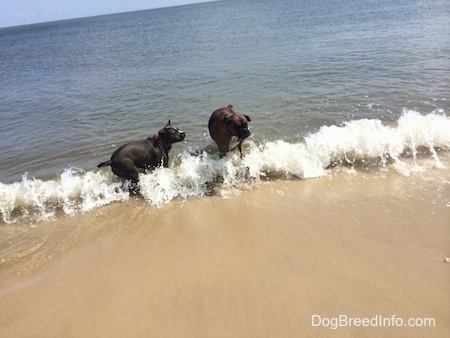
x=236 y=124
x=170 y=134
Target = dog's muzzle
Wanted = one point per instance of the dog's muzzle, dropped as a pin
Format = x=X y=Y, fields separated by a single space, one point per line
x=243 y=133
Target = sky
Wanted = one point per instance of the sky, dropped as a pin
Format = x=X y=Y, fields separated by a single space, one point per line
x=23 y=12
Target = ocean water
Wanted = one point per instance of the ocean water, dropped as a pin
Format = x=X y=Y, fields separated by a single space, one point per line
x=328 y=84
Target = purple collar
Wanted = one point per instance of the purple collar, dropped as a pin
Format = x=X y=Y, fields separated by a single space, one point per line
x=166 y=146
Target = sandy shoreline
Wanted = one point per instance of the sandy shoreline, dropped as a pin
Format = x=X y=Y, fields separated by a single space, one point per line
x=258 y=264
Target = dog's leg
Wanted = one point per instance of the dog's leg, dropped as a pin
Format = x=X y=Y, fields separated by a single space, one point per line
x=223 y=150
x=124 y=185
x=165 y=161
x=133 y=176
x=240 y=149
x=130 y=173
x=134 y=187
x=131 y=185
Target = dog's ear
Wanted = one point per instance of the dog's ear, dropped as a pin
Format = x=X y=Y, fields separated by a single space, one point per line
x=227 y=119
x=247 y=117
x=168 y=124
x=230 y=106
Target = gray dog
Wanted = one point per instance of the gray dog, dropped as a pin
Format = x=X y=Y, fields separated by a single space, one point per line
x=137 y=156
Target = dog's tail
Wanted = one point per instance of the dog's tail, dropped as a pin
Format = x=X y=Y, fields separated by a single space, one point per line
x=104 y=164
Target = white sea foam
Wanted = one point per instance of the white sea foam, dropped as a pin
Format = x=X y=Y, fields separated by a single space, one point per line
x=74 y=191
x=195 y=172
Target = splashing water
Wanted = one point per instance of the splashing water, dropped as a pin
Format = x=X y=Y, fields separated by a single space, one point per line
x=196 y=173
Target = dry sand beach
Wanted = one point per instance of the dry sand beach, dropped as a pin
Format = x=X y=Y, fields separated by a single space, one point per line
x=266 y=262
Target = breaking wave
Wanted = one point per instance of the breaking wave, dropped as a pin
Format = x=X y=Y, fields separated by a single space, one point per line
x=365 y=143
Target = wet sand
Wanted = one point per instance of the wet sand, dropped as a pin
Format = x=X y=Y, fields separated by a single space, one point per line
x=259 y=263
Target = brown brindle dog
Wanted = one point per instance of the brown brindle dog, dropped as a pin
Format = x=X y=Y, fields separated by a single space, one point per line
x=228 y=129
